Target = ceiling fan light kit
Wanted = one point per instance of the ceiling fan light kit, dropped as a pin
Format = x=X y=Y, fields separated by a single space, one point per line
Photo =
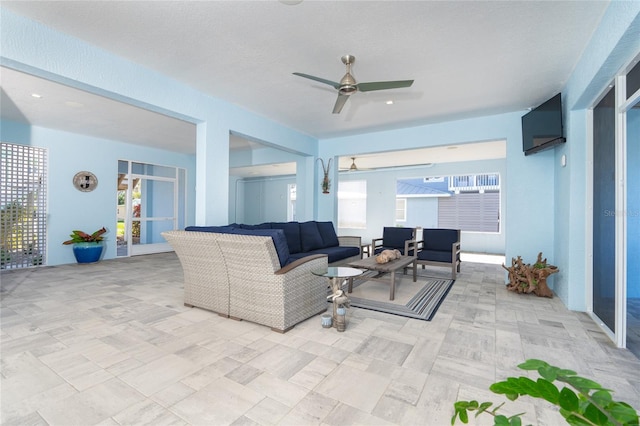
x=348 y=85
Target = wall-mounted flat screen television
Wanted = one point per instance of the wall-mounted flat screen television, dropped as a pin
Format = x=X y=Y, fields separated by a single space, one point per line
x=542 y=126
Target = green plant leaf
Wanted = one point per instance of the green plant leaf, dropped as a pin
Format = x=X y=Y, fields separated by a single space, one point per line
x=460 y=410
x=549 y=372
x=515 y=420
x=594 y=414
x=573 y=420
x=524 y=386
x=564 y=373
x=483 y=407
x=582 y=384
x=602 y=398
x=501 y=420
x=548 y=391
x=623 y=412
x=568 y=400
x=532 y=364
x=505 y=389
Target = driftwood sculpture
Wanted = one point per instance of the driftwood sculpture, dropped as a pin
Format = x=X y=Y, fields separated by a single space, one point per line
x=526 y=278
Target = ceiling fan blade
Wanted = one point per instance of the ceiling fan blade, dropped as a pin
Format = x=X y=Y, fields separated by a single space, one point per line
x=342 y=99
x=383 y=85
x=321 y=80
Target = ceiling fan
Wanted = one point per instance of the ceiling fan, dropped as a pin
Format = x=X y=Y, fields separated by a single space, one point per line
x=348 y=86
x=352 y=167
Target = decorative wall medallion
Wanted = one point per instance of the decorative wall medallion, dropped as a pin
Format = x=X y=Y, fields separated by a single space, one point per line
x=85 y=181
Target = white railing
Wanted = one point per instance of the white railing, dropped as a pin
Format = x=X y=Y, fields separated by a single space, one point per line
x=482 y=182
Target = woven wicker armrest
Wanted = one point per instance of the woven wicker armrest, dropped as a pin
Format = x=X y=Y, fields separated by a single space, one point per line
x=297 y=263
x=350 y=241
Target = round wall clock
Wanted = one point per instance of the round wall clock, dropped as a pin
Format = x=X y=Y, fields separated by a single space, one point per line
x=85 y=181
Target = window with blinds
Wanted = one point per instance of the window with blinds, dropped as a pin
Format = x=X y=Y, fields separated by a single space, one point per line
x=474 y=211
x=22 y=206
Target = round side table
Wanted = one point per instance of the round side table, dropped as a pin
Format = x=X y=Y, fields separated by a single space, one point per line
x=336 y=275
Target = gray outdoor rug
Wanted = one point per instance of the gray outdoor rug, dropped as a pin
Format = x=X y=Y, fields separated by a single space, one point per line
x=419 y=300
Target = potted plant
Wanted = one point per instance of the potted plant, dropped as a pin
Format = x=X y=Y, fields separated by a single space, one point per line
x=87 y=248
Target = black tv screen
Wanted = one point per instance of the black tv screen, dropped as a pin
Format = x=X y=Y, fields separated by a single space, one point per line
x=542 y=126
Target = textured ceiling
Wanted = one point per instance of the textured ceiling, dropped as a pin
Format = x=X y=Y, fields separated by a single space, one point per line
x=467 y=58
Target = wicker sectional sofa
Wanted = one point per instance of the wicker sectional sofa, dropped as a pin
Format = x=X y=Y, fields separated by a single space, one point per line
x=247 y=274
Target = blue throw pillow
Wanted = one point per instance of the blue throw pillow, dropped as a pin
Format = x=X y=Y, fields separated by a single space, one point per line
x=328 y=234
x=310 y=238
x=292 y=232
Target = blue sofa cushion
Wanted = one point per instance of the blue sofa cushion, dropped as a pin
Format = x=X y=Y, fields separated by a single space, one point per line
x=220 y=229
x=259 y=226
x=292 y=232
x=277 y=235
x=440 y=239
x=310 y=238
x=334 y=253
x=328 y=234
x=435 y=255
x=393 y=237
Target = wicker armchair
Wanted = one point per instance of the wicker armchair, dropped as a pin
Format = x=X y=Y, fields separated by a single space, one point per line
x=257 y=288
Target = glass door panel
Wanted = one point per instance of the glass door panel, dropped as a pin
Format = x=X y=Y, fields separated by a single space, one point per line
x=604 y=211
x=153 y=212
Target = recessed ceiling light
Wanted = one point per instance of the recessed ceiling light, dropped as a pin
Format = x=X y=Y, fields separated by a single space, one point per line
x=73 y=104
x=36 y=95
x=389 y=102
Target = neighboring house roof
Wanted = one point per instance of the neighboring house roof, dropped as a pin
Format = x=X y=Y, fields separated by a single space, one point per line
x=418 y=188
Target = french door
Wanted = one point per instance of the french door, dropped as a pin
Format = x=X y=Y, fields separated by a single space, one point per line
x=154 y=202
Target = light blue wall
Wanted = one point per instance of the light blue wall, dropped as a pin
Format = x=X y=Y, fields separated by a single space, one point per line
x=264 y=199
x=69 y=209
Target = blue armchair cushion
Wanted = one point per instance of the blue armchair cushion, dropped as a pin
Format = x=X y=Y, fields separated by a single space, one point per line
x=435 y=255
x=440 y=239
x=328 y=234
x=292 y=233
x=310 y=238
x=393 y=237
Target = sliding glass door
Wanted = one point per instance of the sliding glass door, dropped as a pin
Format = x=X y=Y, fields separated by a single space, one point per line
x=616 y=210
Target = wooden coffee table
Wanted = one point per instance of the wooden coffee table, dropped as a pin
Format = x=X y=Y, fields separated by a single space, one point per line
x=382 y=269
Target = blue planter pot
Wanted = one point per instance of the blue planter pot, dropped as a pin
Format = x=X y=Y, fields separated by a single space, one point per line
x=87 y=252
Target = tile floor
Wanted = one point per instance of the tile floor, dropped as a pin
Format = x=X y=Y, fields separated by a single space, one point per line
x=111 y=344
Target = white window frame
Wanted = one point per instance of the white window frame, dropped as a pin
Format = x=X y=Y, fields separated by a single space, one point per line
x=401 y=207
